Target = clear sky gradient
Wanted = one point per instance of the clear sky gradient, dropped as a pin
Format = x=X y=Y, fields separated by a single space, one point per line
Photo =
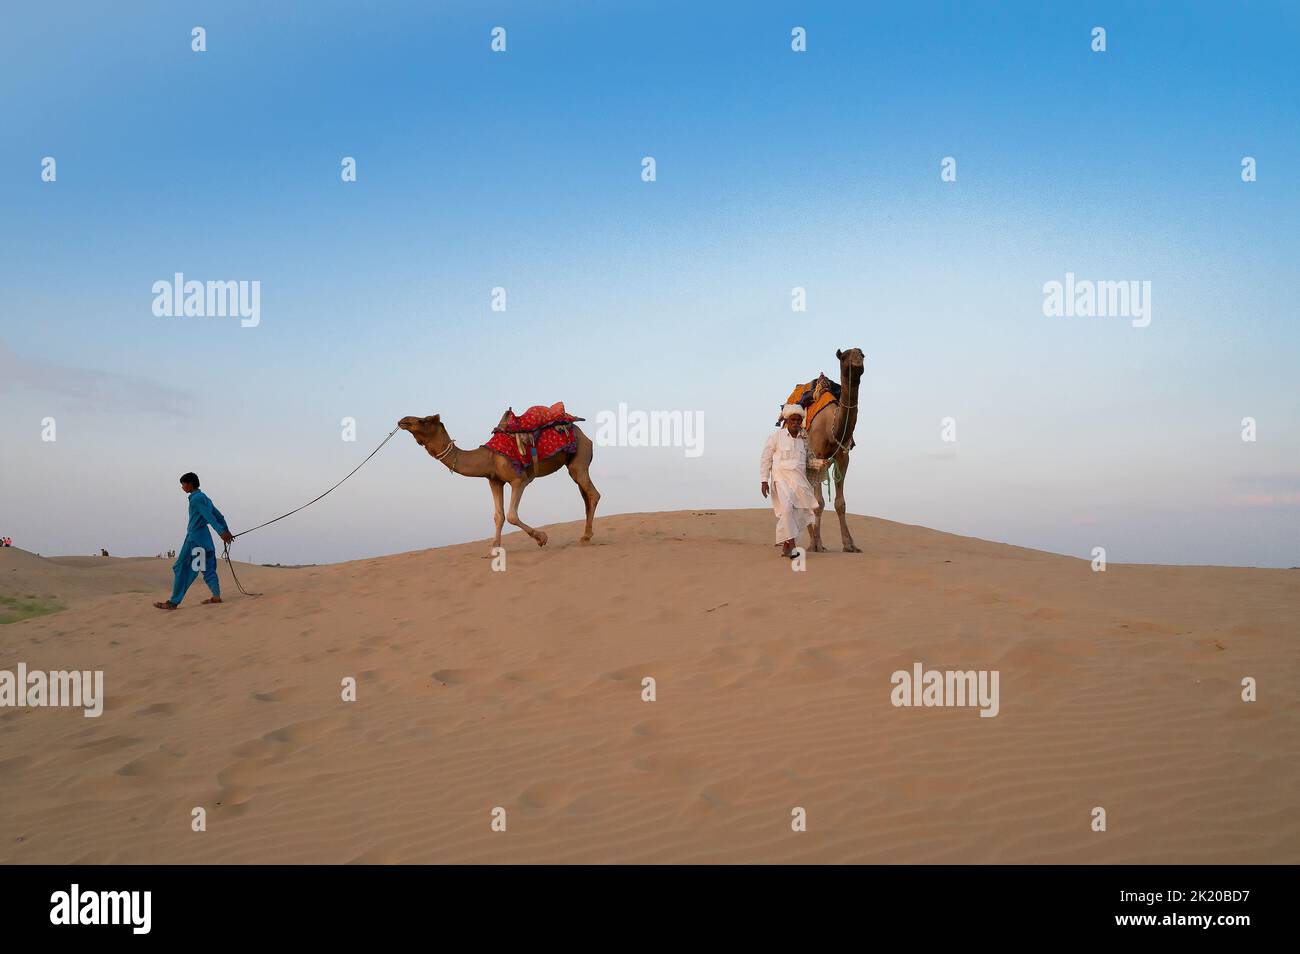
x=775 y=169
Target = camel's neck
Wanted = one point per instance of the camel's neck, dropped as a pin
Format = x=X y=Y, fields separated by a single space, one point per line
x=468 y=463
x=846 y=418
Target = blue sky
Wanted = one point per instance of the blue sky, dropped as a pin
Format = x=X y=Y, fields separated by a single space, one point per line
x=775 y=169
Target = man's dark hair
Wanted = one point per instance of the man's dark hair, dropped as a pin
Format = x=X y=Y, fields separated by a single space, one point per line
x=190 y=478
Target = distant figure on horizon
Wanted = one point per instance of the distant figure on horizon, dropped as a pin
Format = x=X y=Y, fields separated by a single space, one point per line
x=197 y=537
x=103 y=552
x=783 y=469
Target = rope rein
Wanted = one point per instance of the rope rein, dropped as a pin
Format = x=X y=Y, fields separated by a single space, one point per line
x=226 y=551
x=839 y=443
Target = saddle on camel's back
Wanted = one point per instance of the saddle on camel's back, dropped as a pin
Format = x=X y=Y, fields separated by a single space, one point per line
x=536 y=435
x=814 y=397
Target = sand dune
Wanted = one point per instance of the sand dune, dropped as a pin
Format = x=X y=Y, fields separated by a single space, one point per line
x=522 y=689
x=50 y=583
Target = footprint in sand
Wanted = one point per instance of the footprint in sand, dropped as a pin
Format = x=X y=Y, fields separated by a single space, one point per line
x=283 y=694
x=151 y=764
x=297 y=734
x=254 y=749
x=232 y=800
x=544 y=796
x=456 y=677
x=158 y=708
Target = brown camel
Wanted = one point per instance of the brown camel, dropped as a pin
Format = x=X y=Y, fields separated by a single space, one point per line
x=831 y=437
x=430 y=434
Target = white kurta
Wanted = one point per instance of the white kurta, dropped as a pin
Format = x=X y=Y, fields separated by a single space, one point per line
x=783 y=466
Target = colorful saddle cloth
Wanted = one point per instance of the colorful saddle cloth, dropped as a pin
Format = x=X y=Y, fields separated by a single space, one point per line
x=813 y=397
x=539 y=433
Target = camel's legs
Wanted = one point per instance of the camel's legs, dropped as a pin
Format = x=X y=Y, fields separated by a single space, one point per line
x=516 y=491
x=499 y=508
x=590 y=495
x=845 y=537
x=815 y=528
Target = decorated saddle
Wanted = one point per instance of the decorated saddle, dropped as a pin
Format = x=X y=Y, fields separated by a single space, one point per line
x=536 y=435
x=814 y=397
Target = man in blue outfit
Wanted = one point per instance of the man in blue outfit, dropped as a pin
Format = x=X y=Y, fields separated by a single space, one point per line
x=197 y=554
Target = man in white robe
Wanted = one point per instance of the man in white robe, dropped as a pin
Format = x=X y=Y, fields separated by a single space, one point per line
x=783 y=471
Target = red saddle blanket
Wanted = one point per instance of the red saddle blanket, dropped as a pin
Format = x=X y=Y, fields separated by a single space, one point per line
x=537 y=416
x=539 y=433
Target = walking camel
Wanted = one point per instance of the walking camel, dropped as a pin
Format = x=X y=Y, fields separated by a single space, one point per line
x=431 y=434
x=831 y=437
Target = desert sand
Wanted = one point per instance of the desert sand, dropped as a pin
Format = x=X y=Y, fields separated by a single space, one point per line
x=523 y=690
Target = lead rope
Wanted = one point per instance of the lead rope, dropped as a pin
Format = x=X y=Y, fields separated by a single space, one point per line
x=225 y=554
x=839 y=443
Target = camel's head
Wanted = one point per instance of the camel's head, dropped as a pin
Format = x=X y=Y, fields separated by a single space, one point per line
x=853 y=361
x=424 y=429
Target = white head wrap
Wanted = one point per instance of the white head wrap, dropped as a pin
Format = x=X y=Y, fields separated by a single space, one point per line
x=790 y=410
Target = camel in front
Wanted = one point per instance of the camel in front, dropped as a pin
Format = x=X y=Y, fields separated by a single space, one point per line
x=831 y=438
x=431 y=434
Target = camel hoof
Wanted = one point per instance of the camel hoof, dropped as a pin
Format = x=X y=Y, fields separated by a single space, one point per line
x=541 y=538
x=816 y=548
x=851 y=548
x=583 y=541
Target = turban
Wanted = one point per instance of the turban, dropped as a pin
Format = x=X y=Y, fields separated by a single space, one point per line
x=791 y=410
